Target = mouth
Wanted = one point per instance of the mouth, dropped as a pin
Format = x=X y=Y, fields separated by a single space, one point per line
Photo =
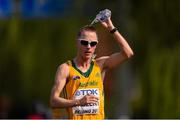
x=87 y=52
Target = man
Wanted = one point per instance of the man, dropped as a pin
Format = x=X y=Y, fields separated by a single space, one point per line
x=81 y=79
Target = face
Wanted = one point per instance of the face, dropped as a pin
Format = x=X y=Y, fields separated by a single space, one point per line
x=87 y=44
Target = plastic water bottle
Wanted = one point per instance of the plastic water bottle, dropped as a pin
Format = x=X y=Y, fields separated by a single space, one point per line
x=102 y=16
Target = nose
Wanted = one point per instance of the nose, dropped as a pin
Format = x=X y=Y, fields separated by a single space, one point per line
x=89 y=46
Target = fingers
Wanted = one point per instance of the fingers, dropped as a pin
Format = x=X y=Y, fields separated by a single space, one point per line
x=108 y=23
x=92 y=99
x=103 y=24
x=88 y=99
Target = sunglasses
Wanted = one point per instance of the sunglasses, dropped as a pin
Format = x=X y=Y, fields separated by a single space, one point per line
x=86 y=43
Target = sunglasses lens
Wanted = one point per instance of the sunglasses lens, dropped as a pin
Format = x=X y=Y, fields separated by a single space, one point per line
x=93 y=44
x=86 y=43
x=83 y=42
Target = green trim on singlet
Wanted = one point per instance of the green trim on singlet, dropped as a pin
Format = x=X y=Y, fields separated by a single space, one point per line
x=85 y=74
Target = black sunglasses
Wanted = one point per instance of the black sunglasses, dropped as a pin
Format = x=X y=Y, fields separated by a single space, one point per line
x=86 y=43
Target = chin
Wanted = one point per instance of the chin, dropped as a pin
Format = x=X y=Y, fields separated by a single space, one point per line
x=88 y=57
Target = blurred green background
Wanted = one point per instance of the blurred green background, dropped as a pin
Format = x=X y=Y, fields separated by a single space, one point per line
x=146 y=86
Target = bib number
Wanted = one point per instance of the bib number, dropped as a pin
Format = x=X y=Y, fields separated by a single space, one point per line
x=89 y=108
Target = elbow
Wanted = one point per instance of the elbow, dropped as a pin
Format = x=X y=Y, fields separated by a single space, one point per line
x=56 y=103
x=53 y=102
x=129 y=54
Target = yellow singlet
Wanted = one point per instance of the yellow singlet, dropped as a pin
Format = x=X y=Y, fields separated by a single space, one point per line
x=80 y=84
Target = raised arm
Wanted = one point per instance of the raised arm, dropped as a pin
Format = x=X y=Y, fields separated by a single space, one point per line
x=119 y=57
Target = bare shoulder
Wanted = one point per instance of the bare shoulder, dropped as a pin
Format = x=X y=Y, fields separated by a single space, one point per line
x=63 y=70
x=101 y=60
x=63 y=66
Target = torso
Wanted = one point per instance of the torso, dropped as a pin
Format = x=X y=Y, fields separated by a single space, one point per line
x=79 y=84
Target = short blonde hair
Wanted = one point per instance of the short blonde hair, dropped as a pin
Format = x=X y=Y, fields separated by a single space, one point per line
x=86 y=28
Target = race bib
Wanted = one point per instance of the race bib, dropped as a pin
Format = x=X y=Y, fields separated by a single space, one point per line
x=89 y=108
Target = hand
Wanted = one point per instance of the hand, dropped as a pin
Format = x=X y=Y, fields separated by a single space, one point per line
x=87 y=99
x=107 y=24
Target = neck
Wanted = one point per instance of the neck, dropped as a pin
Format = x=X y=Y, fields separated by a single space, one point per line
x=80 y=62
